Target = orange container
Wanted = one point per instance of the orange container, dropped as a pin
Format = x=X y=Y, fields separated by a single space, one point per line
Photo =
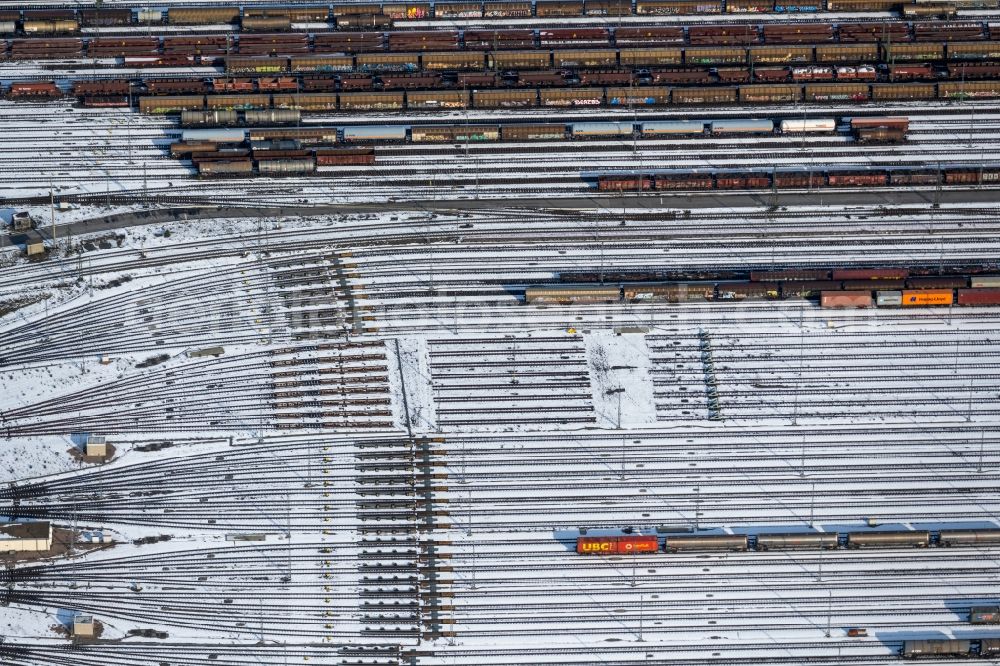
x=926 y=297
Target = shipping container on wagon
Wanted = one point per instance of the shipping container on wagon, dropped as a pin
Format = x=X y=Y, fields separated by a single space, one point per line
x=710 y=542
x=571 y=58
x=202 y=15
x=578 y=294
x=830 y=92
x=623 y=545
x=458 y=10
x=677 y=7
x=808 y=125
x=467 y=60
x=715 y=55
x=650 y=57
x=969 y=90
x=845 y=299
x=669 y=293
x=560 y=8
x=846 y=53
x=770 y=93
x=503 y=99
x=438 y=99
x=927 y=297
x=985 y=281
x=638 y=96
x=236 y=167
x=506 y=9
x=375 y=133
x=575 y=97
x=159 y=104
x=518 y=60
x=984 y=614
x=704 y=95
x=742 y=126
x=537 y=132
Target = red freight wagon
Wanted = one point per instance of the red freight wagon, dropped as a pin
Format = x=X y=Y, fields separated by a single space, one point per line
x=623 y=545
x=871 y=274
x=978 y=297
x=846 y=299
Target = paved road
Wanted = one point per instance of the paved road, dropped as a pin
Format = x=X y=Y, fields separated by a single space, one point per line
x=614 y=203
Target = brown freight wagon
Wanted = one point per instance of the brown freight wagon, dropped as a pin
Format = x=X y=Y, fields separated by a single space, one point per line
x=458 y=10
x=974 y=50
x=607 y=8
x=454 y=61
x=371 y=101
x=540 y=79
x=318 y=13
x=718 y=55
x=733 y=74
x=306 y=101
x=113 y=87
x=650 y=57
x=969 y=90
x=574 y=37
x=541 y=132
x=171 y=104
x=846 y=53
x=105 y=17
x=677 y=7
x=741 y=181
x=889 y=33
x=798 y=179
x=438 y=99
x=830 y=92
x=499 y=39
x=42 y=49
x=36 y=90
x=545 y=8
x=321 y=63
x=846 y=299
x=261 y=23
x=437 y=40
x=407 y=11
x=749 y=6
x=256 y=65
x=495 y=99
x=506 y=9
x=409 y=81
x=704 y=95
x=684 y=181
x=902 y=91
x=771 y=74
x=329 y=84
x=202 y=15
x=349 y=42
x=723 y=35
x=681 y=75
x=974 y=70
x=638 y=96
x=111 y=47
x=387 y=62
x=572 y=58
x=613 y=77
x=199 y=45
x=978 y=297
x=519 y=60
x=355 y=10
x=857 y=179
x=238 y=101
x=807 y=288
x=649 y=35
x=739 y=291
x=910 y=52
x=798 y=33
x=871 y=274
x=937 y=282
x=770 y=93
x=466 y=80
x=572 y=97
x=766 y=55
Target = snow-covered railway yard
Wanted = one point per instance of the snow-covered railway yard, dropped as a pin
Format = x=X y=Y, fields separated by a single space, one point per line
x=339 y=432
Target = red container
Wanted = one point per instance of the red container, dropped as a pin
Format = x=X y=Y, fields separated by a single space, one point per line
x=624 y=545
x=846 y=299
x=979 y=297
x=871 y=274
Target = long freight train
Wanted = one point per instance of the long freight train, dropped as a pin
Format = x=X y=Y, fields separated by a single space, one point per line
x=385 y=15
x=842 y=288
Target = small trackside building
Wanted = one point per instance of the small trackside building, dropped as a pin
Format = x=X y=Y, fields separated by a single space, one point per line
x=22 y=537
